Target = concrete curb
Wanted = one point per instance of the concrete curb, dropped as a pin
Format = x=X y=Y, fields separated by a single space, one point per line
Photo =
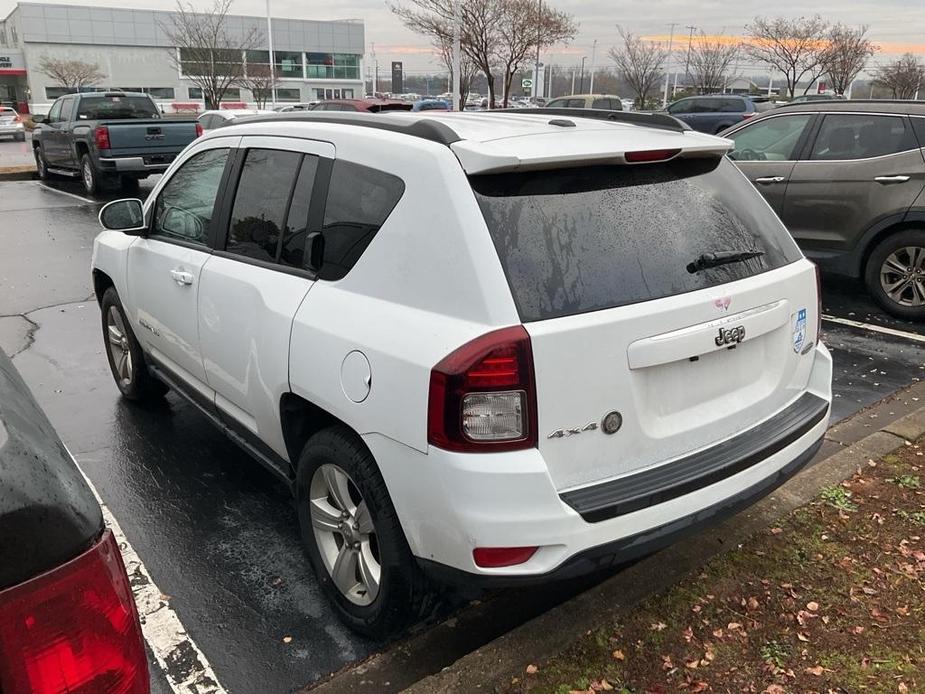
x=17 y=173
x=870 y=433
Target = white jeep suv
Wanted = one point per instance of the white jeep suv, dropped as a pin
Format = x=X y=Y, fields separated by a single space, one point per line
x=479 y=348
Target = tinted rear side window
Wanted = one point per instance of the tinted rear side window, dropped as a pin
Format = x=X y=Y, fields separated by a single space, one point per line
x=359 y=201
x=579 y=240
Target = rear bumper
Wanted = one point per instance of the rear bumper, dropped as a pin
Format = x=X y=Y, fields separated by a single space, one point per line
x=145 y=164
x=450 y=503
x=14 y=129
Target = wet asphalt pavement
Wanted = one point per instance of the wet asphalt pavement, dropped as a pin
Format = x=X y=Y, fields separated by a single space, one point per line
x=217 y=533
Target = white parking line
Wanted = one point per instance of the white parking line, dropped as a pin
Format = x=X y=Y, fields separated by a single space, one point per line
x=186 y=668
x=875 y=328
x=70 y=195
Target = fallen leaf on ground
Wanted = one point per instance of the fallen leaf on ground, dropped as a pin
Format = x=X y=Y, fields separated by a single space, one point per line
x=802 y=636
x=618 y=655
x=287 y=639
x=816 y=670
x=776 y=531
x=606 y=686
x=812 y=606
x=531 y=669
x=659 y=626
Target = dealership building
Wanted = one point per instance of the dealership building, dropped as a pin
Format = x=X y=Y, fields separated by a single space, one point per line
x=312 y=59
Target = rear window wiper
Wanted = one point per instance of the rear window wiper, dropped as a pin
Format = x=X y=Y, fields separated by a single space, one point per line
x=708 y=260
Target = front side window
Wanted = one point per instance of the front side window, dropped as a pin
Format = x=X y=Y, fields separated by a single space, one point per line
x=261 y=203
x=861 y=136
x=359 y=201
x=183 y=210
x=773 y=139
x=54 y=115
x=591 y=238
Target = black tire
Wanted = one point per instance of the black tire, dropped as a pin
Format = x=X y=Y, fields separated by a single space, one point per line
x=141 y=386
x=91 y=178
x=41 y=165
x=129 y=184
x=405 y=595
x=900 y=307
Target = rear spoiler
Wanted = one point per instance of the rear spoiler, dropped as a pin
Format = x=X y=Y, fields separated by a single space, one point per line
x=659 y=121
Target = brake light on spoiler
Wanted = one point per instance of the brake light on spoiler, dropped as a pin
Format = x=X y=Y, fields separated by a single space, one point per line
x=650 y=155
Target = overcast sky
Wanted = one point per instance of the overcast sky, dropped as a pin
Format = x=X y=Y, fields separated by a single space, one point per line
x=896 y=24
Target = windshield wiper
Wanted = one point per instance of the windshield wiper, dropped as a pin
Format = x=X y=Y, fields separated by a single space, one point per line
x=708 y=260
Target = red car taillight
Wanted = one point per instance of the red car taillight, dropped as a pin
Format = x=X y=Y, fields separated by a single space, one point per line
x=199 y=130
x=73 y=629
x=483 y=395
x=496 y=557
x=102 y=137
x=650 y=155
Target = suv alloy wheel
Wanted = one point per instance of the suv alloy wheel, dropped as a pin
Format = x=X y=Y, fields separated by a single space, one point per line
x=126 y=359
x=895 y=274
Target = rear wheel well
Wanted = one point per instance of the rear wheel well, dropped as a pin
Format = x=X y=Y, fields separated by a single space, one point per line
x=101 y=282
x=880 y=236
x=300 y=420
x=81 y=148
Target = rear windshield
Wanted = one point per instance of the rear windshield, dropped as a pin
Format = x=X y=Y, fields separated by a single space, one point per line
x=586 y=239
x=103 y=107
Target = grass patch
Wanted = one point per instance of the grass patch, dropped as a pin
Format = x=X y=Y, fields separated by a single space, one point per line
x=775 y=652
x=917 y=517
x=838 y=497
x=907 y=481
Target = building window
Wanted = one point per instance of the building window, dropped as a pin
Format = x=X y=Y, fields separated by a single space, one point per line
x=259 y=58
x=288 y=64
x=327 y=66
x=160 y=92
x=55 y=92
x=193 y=61
x=231 y=94
x=288 y=95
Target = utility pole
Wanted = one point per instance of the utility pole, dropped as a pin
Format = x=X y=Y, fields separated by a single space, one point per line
x=272 y=57
x=581 y=75
x=770 y=82
x=456 y=50
x=593 y=51
x=573 y=82
x=668 y=66
x=687 y=63
x=375 y=72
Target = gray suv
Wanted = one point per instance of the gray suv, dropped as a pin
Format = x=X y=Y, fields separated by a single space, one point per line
x=847 y=179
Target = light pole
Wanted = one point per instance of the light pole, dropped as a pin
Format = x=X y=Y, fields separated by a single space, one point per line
x=272 y=63
x=581 y=75
x=668 y=66
x=536 y=67
x=687 y=63
x=593 y=51
x=457 y=90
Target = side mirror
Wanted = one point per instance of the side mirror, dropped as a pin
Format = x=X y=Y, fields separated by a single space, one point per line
x=126 y=216
x=315 y=246
x=38 y=118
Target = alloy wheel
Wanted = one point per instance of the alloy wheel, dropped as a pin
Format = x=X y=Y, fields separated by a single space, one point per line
x=88 y=176
x=902 y=276
x=117 y=343
x=345 y=534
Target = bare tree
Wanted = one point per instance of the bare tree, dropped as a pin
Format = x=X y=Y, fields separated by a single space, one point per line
x=710 y=63
x=846 y=54
x=261 y=81
x=480 y=21
x=903 y=77
x=72 y=74
x=795 y=47
x=639 y=64
x=524 y=27
x=206 y=51
x=467 y=69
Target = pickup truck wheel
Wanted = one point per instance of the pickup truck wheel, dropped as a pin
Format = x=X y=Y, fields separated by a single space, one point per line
x=92 y=179
x=41 y=166
x=895 y=274
x=354 y=540
x=126 y=359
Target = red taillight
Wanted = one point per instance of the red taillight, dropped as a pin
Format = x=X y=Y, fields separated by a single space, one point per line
x=73 y=629
x=749 y=115
x=651 y=155
x=199 y=130
x=495 y=557
x=102 y=137
x=483 y=395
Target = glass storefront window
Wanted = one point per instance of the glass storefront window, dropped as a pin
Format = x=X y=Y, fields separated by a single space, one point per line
x=288 y=64
x=288 y=95
x=344 y=66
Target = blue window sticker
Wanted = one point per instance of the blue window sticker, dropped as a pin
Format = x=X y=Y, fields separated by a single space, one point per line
x=798 y=320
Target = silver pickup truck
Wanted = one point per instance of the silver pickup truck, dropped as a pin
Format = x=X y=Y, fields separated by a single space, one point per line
x=108 y=136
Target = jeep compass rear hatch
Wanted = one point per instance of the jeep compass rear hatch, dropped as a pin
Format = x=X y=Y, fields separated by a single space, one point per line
x=667 y=292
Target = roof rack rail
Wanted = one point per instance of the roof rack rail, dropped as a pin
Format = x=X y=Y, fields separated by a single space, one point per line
x=659 y=121
x=424 y=128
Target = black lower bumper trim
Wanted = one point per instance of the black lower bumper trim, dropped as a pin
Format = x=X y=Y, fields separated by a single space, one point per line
x=679 y=477
x=627 y=549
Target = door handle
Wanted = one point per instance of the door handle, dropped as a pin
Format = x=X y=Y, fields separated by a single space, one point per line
x=887 y=180
x=765 y=180
x=181 y=276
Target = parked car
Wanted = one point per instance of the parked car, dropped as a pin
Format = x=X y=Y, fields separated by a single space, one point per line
x=289 y=108
x=217 y=118
x=11 y=124
x=364 y=105
x=68 y=614
x=803 y=98
x=103 y=136
x=558 y=376
x=605 y=102
x=716 y=112
x=430 y=105
x=847 y=178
